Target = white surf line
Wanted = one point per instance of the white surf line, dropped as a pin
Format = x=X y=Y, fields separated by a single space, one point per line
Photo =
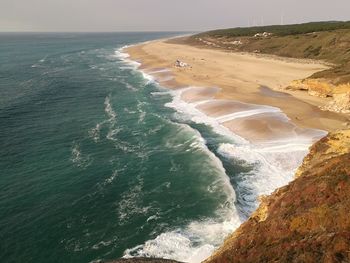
x=284 y=148
x=243 y=114
x=187 y=247
x=274 y=163
x=231 y=116
x=165 y=70
x=125 y=57
x=191 y=108
x=201 y=102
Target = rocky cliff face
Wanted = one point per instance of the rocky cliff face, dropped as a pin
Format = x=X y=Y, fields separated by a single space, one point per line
x=325 y=88
x=340 y=103
x=305 y=221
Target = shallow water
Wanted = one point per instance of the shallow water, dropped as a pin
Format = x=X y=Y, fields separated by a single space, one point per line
x=272 y=93
x=98 y=161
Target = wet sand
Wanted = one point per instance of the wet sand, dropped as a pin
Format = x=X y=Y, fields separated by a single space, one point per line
x=224 y=83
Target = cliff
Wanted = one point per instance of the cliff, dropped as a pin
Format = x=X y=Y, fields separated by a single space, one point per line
x=305 y=221
x=324 y=88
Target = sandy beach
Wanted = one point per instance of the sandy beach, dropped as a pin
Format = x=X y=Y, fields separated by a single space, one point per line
x=222 y=80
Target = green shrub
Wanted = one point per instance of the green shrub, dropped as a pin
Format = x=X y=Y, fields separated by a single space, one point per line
x=279 y=30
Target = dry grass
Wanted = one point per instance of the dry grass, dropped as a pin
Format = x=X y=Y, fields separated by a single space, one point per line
x=331 y=46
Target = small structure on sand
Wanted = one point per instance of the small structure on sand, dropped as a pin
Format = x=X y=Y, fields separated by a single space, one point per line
x=181 y=64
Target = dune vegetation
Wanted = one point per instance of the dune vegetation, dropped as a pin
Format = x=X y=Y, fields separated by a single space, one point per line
x=327 y=41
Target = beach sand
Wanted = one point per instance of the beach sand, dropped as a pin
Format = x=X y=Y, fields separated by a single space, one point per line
x=222 y=80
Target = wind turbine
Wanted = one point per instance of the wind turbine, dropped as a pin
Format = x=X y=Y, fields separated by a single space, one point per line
x=282 y=18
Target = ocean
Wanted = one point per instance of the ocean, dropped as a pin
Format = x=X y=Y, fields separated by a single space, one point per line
x=98 y=161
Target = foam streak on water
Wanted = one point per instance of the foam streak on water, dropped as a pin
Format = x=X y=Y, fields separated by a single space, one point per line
x=91 y=163
x=197 y=240
x=274 y=163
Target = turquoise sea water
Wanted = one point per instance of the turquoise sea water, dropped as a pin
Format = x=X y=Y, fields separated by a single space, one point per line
x=92 y=163
x=96 y=164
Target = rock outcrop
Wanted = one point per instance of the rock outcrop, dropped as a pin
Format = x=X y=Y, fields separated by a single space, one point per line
x=315 y=87
x=340 y=103
x=324 y=88
x=305 y=221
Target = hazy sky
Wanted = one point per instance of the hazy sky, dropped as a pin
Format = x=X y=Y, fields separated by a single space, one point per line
x=162 y=15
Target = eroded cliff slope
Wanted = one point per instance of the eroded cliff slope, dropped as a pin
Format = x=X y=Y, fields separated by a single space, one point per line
x=305 y=221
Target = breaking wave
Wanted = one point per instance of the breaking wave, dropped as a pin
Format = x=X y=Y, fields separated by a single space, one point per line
x=269 y=165
x=197 y=240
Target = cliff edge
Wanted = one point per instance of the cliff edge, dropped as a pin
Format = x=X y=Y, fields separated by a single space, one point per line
x=306 y=221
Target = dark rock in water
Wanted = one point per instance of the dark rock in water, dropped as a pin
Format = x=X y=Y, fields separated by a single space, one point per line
x=143 y=260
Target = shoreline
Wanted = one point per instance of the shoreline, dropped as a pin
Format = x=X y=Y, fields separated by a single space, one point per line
x=274 y=162
x=243 y=78
x=256 y=111
x=239 y=77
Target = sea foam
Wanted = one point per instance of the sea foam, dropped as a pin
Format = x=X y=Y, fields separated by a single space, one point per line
x=197 y=240
x=123 y=56
x=274 y=163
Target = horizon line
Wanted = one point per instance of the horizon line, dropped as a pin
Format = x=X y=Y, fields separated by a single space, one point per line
x=171 y=31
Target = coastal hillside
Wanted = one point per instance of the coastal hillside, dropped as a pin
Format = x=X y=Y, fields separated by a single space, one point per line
x=305 y=221
x=326 y=41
